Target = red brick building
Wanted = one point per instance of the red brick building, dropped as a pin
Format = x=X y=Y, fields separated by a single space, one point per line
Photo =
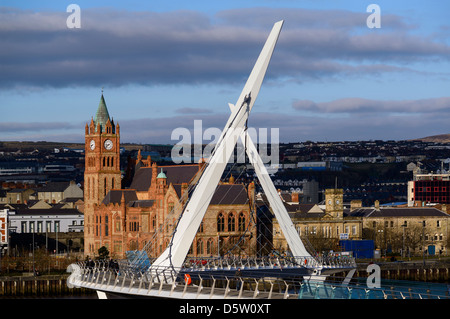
x=146 y=212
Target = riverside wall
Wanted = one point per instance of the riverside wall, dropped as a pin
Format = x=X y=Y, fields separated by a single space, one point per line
x=430 y=272
x=45 y=286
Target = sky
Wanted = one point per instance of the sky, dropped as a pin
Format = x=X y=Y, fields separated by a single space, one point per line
x=164 y=64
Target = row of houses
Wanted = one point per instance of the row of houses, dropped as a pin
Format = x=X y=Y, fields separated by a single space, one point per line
x=52 y=192
x=53 y=209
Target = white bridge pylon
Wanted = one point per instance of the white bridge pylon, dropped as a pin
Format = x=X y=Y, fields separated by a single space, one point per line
x=174 y=255
x=287 y=227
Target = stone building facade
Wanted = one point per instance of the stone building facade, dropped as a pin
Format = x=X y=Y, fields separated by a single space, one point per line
x=404 y=231
x=320 y=226
x=407 y=231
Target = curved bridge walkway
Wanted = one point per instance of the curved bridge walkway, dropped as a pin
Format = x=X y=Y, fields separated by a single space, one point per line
x=197 y=284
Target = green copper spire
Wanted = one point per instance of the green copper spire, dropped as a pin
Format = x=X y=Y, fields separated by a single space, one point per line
x=102 y=115
x=161 y=175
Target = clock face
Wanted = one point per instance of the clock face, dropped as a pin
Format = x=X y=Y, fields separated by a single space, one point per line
x=92 y=145
x=108 y=144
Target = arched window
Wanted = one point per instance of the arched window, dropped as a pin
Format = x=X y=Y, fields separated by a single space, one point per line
x=170 y=206
x=210 y=246
x=133 y=245
x=231 y=222
x=220 y=223
x=199 y=247
x=153 y=222
x=89 y=191
x=241 y=222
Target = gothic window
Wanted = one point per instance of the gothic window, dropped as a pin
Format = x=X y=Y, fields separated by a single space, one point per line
x=170 y=207
x=134 y=226
x=209 y=246
x=133 y=245
x=153 y=222
x=231 y=222
x=241 y=222
x=200 y=247
x=112 y=161
x=88 y=193
x=220 y=223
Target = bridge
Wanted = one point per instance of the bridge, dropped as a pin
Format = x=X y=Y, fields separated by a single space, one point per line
x=162 y=276
x=199 y=282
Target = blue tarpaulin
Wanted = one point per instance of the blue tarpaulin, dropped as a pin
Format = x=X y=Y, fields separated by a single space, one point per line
x=360 y=248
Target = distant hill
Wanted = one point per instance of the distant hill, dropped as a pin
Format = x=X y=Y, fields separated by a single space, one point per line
x=26 y=146
x=41 y=145
x=441 y=138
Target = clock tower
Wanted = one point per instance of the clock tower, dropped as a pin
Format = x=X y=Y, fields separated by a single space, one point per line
x=102 y=165
x=334 y=206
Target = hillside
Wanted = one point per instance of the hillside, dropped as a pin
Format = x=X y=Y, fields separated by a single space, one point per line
x=441 y=138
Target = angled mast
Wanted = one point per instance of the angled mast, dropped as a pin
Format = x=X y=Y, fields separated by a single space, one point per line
x=287 y=227
x=195 y=210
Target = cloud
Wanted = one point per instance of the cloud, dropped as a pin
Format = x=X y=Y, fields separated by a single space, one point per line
x=117 y=47
x=11 y=127
x=297 y=127
x=360 y=105
x=193 y=110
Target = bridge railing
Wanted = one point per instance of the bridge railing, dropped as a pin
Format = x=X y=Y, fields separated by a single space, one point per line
x=101 y=276
x=234 y=262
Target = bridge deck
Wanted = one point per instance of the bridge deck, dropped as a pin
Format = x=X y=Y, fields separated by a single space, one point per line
x=144 y=285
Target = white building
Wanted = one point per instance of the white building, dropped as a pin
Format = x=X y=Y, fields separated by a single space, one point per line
x=46 y=220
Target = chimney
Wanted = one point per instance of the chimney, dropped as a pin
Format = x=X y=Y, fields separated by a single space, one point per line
x=377 y=205
x=294 y=197
x=154 y=173
x=251 y=190
x=355 y=204
x=184 y=187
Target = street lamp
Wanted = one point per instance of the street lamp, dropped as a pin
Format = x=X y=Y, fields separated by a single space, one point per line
x=380 y=231
x=423 y=243
x=403 y=249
